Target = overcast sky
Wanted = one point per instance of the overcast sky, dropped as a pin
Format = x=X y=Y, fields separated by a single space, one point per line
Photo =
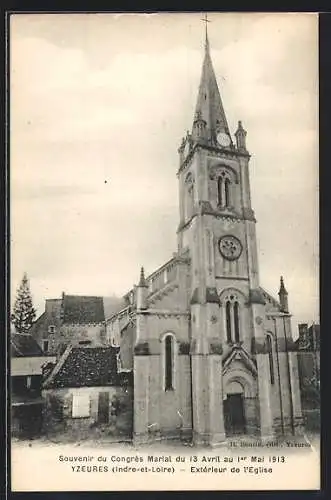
x=99 y=104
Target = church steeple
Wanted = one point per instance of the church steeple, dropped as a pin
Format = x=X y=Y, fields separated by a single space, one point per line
x=209 y=117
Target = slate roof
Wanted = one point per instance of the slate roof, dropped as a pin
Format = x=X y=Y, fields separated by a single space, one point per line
x=85 y=366
x=24 y=345
x=83 y=309
x=269 y=298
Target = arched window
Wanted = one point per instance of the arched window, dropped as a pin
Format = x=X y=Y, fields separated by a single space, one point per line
x=169 y=363
x=236 y=321
x=271 y=359
x=189 y=196
x=227 y=192
x=219 y=191
x=190 y=201
x=232 y=318
x=224 y=189
x=228 y=322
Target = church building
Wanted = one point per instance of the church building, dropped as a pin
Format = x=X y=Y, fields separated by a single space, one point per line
x=212 y=352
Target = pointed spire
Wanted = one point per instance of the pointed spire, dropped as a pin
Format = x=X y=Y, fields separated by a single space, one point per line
x=241 y=136
x=282 y=288
x=209 y=117
x=283 y=296
x=142 y=291
x=142 y=280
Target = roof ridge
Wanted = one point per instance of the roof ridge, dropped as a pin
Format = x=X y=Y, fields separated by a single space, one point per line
x=88 y=296
x=17 y=348
x=269 y=295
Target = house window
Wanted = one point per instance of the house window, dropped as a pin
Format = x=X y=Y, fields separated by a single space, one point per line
x=51 y=329
x=80 y=405
x=45 y=345
x=271 y=359
x=169 y=362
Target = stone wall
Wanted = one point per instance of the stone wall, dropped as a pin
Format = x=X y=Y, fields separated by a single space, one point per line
x=60 y=425
x=251 y=415
x=26 y=421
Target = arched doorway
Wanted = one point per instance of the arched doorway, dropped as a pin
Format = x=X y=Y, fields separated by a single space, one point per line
x=234 y=409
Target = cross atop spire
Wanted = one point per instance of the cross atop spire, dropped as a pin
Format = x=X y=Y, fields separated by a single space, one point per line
x=206 y=20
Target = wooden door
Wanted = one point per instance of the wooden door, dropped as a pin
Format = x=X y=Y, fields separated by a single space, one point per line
x=103 y=408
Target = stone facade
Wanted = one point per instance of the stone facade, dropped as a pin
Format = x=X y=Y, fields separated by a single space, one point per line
x=212 y=351
x=87 y=396
x=60 y=424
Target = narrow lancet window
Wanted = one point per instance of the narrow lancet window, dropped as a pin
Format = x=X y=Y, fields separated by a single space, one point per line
x=271 y=359
x=236 y=321
x=220 y=187
x=168 y=363
x=227 y=192
x=228 y=322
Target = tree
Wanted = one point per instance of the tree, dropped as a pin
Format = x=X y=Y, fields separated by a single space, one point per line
x=23 y=311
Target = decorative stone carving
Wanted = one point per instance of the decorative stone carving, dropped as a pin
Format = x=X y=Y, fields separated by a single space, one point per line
x=258 y=320
x=212 y=295
x=219 y=168
x=248 y=213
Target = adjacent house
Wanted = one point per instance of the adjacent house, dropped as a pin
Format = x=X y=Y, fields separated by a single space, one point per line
x=27 y=360
x=88 y=394
x=71 y=318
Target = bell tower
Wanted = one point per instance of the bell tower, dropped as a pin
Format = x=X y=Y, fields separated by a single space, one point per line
x=217 y=223
x=217 y=231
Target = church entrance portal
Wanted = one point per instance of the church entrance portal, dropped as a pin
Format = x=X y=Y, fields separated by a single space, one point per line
x=234 y=417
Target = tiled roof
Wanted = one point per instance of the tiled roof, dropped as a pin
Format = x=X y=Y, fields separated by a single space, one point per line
x=83 y=309
x=269 y=298
x=24 y=345
x=85 y=367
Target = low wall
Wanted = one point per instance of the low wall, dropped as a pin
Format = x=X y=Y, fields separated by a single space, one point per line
x=59 y=424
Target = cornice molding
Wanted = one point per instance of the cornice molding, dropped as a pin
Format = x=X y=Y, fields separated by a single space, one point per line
x=229 y=153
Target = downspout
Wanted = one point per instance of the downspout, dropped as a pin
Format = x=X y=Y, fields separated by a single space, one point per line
x=279 y=384
x=289 y=378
